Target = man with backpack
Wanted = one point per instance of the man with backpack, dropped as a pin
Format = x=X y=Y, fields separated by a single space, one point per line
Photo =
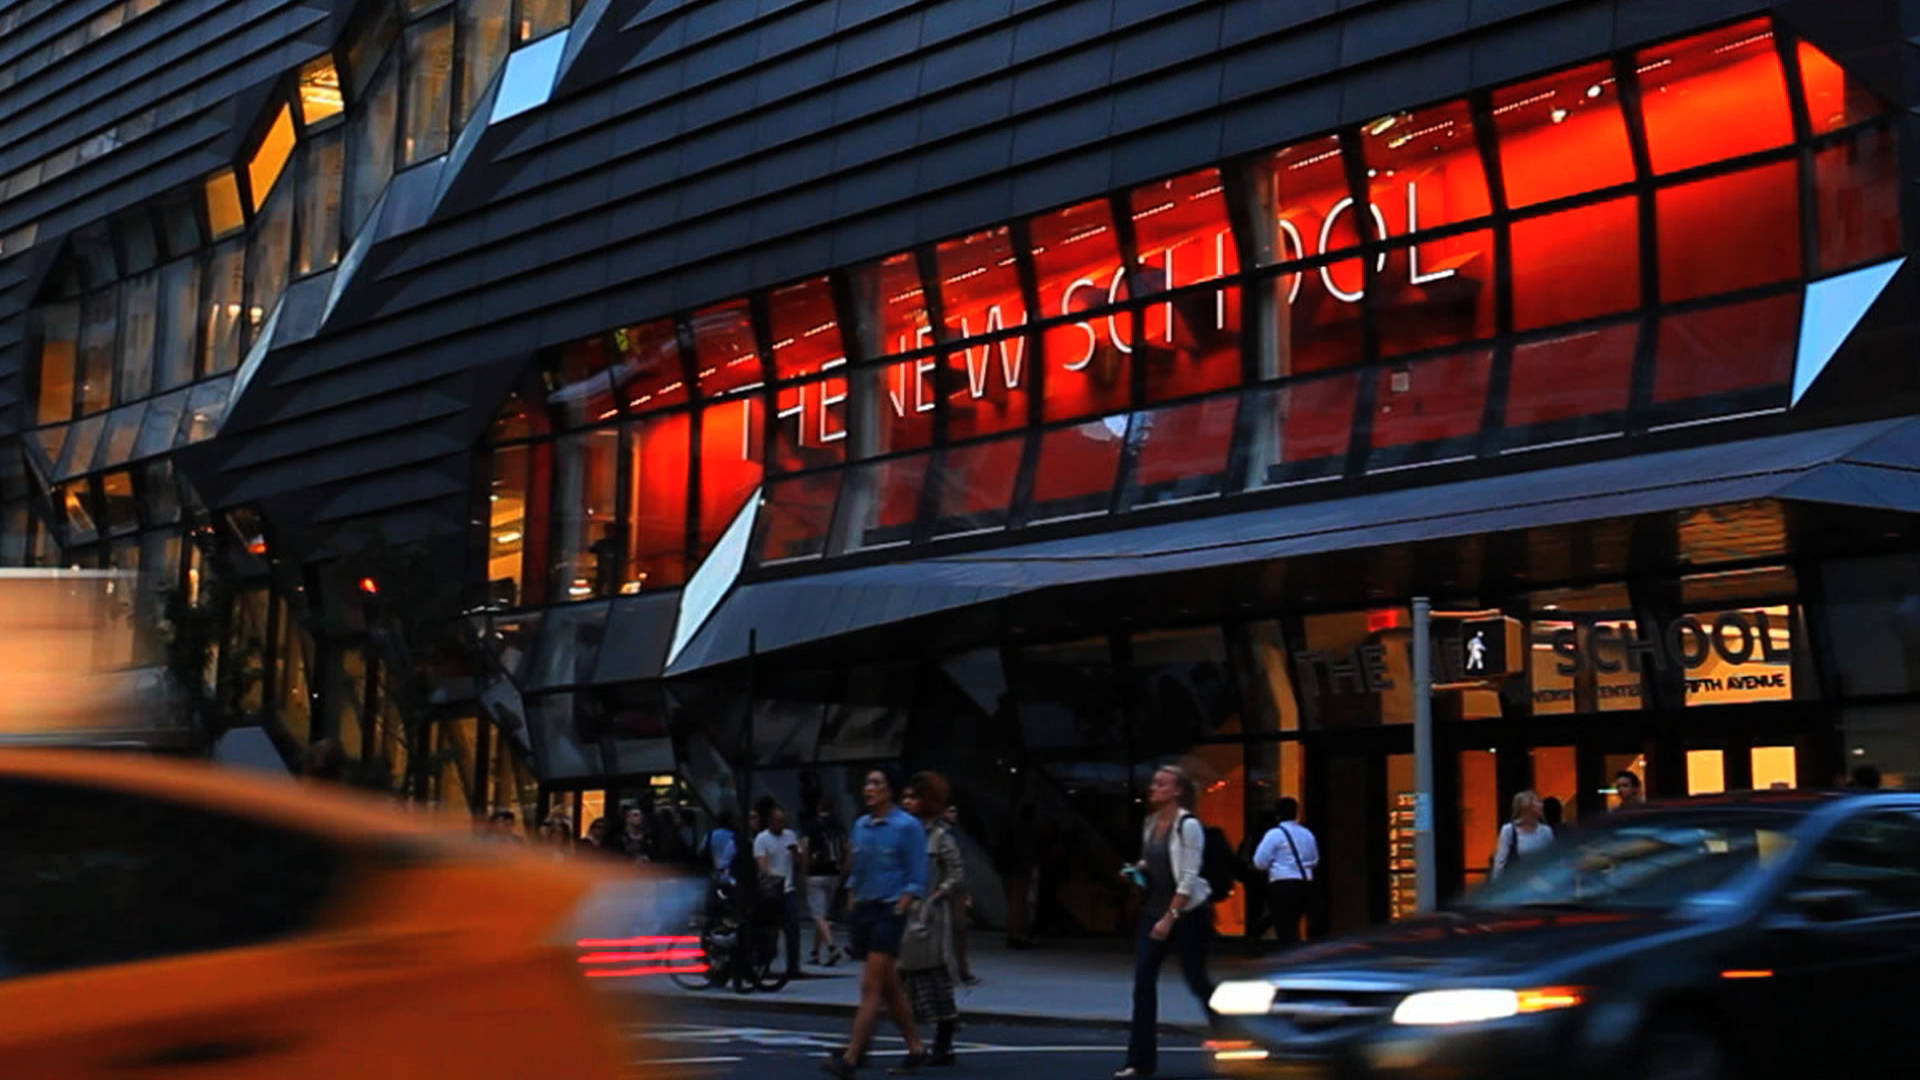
x=1289 y=856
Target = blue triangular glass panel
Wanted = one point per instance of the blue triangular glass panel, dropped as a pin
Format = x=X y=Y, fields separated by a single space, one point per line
x=1832 y=309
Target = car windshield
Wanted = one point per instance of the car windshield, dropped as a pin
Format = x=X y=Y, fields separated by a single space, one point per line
x=1646 y=862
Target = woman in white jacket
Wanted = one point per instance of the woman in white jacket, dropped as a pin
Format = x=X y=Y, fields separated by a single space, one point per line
x=1523 y=837
x=1175 y=916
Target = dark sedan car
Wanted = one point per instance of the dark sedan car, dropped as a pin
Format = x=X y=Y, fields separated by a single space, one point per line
x=1745 y=935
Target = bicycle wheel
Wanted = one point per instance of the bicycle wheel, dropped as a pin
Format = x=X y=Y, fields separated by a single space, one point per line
x=716 y=959
x=768 y=976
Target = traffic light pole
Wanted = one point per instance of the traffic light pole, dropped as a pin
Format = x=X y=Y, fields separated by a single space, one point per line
x=1426 y=885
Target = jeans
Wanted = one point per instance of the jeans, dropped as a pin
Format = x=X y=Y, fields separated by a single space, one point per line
x=1288 y=900
x=1190 y=936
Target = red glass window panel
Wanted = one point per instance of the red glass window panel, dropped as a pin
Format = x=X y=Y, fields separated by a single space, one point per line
x=1076 y=258
x=810 y=424
x=732 y=448
x=1714 y=96
x=980 y=284
x=1585 y=373
x=1191 y=342
x=891 y=306
x=891 y=407
x=987 y=387
x=1858 y=189
x=1301 y=429
x=1576 y=264
x=1721 y=350
x=1436 y=292
x=1089 y=365
x=724 y=348
x=582 y=391
x=806 y=332
x=1835 y=99
x=1318 y=321
x=1305 y=205
x=513 y=421
x=1424 y=170
x=1180 y=452
x=882 y=501
x=1443 y=397
x=976 y=485
x=1075 y=472
x=648 y=372
x=796 y=516
x=1730 y=232
x=657 y=529
x=1181 y=232
x=1562 y=135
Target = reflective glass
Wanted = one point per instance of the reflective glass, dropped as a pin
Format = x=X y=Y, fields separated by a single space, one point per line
x=587 y=553
x=429 y=94
x=322 y=174
x=724 y=348
x=892 y=407
x=1180 y=451
x=223 y=299
x=1076 y=257
x=980 y=284
x=581 y=378
x=1713 y=96
x=796 y=516
x=1423 y=168
x=882 y=501
x=1184 y=681
x=59 y=350
x=122 y=514
x=1190 y=342
x=176 y=356
x=1435 y=293
x=657 y=529
x=206 y=408
x=507 y=525
x=270 y=159
x=99 y=317
x=1305 y=206
x=370 y=146
x=1835 y=99
x=890 y=306
x=139 y=324
x=1722 y=350
x=806 y=332
x=986 y=387
x=270 y=260
x=732 y=448
x=1181 y=232
x=1089 y=362
x=484 y=25
x=1576 y=264
x=976 y=485
x=810 y=425
x=539 y=18
x=1583 y=373
x=123 y=425
x=1317 y=319
x=161 y=423
x=1730 y=232
x=1075 y=472
x=162 y=492
x=1561 y=135
x=320 y=91
x=1439 y=399
x=1857 y=184
x=223 y=203
x=1301 y=430
x=648 y=371
x=76 y=505
x=81 y=445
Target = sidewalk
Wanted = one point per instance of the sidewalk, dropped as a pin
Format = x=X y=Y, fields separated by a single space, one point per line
x=1087 y=982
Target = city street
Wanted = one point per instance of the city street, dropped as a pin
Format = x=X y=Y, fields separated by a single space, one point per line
x=713 y=1041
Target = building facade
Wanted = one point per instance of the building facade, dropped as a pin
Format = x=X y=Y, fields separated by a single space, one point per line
x=567 y=403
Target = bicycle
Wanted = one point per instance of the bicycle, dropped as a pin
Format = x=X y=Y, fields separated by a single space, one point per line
x=721 y=943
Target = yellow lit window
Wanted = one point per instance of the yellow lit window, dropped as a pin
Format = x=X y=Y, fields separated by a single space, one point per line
x=271 y=159
x=223 y=203
x=320 y=91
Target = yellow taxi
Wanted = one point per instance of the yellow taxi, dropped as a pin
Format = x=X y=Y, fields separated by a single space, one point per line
x=167 y=918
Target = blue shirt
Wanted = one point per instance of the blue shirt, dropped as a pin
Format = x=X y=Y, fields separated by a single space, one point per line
x=889 y=858
x=722 y=843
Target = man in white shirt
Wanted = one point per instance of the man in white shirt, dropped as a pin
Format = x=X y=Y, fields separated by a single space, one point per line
x=1289 y=856
x=777 y=850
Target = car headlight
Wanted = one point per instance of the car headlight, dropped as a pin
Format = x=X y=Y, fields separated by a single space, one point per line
x=1243 y=997
x=1480 y=1006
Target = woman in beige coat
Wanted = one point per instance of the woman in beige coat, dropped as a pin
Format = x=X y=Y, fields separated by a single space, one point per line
x=926 y=950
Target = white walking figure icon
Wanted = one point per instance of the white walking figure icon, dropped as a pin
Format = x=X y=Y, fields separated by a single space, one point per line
x=1477 y=651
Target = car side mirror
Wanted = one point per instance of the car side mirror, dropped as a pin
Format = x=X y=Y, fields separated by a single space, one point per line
x=1835 y=904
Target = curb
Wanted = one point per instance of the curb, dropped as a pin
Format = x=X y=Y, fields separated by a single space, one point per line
x=761 y=1002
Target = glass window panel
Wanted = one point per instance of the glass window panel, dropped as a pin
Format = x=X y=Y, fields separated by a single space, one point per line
x=1075 y=472
x=162 y=492
x=979 y=285
x=1584 y=373
x=796 y=516
x=1438 y=400
x=1089 y=361
x=81 y=445
x=1181 y=232
x=270 y=259
x=483 y=45
x=1725 y=349
x=14 y=525
x=179 y=225
x=1301 y=431
x=139 y=323
x=587 y=553
x=539 y=18
x=1317 y=320
x=429 y=89
x=1266 y=680
x=319 y=91
x=1730 y=232
x=806 y=332
x=1423 y=168
x=1305 y=206
x=76 y=501
x=508 y=524
x=59 y=353
x=1714 y=96
x=139 y=246
x=582 y=381
x=270 y=160
x=648 y=369
x=1190 y=342
x=368 y=49
x=1435 y=293
x=323 y=173
x=223 y=203
x=732 y=447
x=1858 y=187
x=161 y=422
x=890 y=306
x=223 y=300
x=1576 y=264
x=976 y=485
x=1360 y=642
x=810 y=427
x=99 y=317
x=123 y=425
x=206 y=407
x=1738 y=662
x=178 y=346
x=724 y=348
x=1187 y=687
x=657 y=532
x=1562 y=134
x=892 y=407
x=122 y=513
x=882 y=502
x=986 y=387
x=1835 y=99
x=1180 y=451
x=370 y=144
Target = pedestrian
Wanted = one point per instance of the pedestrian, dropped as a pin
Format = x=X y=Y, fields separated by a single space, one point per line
x=690 y=835
x=325 y=760
x=721 y=844
x=928 y=957
x=504 y=825
x=1290 y=856
x=1523 y=837
x=1552 y=811
x=826 y=846
x=1627 y=786
x=557 y=832
x=776 y=851
x=1175 y=915
x=1259 y=915
x=962 y=901
x=889 y=873
x=633 y=839
x=597 y=833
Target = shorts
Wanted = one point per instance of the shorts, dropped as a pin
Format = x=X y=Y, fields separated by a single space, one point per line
x=820 y=894
x=874 y=926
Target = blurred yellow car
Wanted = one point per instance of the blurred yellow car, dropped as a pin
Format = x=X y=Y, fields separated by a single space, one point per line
x=166 y=918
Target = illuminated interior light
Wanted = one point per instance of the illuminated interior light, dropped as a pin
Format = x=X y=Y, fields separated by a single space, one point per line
x=1316 y=159
x=821 y=329
x=1208 y=193
x=1765 y=35
x=1152 y=210
x=1559 y=115
x=957 y=278
x=1535 y=99
x=1655 y=66
x=1371 y=173
x=1077 y=237
x=783 y=343
x=709 y=371
x=911 y=293
x=1594 y=90
x=1746 y=973
x=1382 y=125
x=506 y=537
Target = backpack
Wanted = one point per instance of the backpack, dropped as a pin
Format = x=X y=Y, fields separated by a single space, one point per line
x=1219 y=866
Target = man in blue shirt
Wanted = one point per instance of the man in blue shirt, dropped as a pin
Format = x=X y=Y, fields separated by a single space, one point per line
x=889 y=876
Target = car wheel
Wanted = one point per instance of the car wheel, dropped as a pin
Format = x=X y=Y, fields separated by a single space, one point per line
x=1683 y=1052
